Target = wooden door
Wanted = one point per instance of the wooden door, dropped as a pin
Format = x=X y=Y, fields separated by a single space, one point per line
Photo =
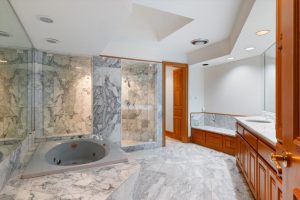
x=288 y=106
x=180 y=99
x=178 y=106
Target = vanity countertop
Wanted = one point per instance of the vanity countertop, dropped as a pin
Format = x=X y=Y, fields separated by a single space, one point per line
x=94 y=183
x=266 y=131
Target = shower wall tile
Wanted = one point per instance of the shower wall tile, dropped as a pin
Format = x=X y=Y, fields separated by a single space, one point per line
x=66 y=94
x=213 y=120
x=138 y=100
x=107 y=80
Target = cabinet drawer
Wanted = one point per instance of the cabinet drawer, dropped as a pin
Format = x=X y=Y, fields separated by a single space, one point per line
x=251 y=139
x=265 y=152
x=198 y=136
x=240 y=129
x=213 y=141
x=229 y=145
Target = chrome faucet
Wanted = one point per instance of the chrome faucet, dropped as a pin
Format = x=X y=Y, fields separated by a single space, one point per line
x=97 y=137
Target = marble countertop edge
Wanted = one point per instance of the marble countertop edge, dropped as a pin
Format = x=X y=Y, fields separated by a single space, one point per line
x=266 y=131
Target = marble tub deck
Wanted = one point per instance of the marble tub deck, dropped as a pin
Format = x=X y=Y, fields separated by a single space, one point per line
x=176 y=172
x=110 y=182
x=188 y=172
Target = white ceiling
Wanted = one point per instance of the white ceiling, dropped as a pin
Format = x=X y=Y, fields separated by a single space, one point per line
x=206 y=24
x=81 y=26
x=151 y=29
x=262 y=16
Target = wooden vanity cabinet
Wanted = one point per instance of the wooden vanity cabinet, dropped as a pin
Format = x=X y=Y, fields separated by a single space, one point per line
x=213 y=140
x=260 y=175
x=269 y=186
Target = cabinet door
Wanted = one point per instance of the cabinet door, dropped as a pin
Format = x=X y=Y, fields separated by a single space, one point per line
x=262 y=176
x=272 y=185
x=244 y=158
x=238 y=149
x=252 y=164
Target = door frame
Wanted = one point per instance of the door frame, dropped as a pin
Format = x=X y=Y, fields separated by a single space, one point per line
x=184 y=136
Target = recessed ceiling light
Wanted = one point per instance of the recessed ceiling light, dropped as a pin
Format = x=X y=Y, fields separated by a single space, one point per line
x=52 y=40
x=262 y=32
x=230 y=58
x=45 y=19
x=3 y=61
x=204 y=64
x=199 y=41
x=5 y=34
x=250 y=48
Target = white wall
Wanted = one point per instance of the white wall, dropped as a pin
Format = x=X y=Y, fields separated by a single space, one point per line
x=235 y=88
x=270 y=84
x=196 y=90
x=169 y=99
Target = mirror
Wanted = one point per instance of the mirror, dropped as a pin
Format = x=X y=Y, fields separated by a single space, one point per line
x=270 y=79
x=15 y=72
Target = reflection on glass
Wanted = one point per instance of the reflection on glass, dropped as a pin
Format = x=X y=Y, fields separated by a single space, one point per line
x=15 y=67
x=270 y=79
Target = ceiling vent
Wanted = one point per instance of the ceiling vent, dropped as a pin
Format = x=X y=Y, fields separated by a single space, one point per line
x=45 y=19
x=199 y=41
x=4 y=34
x=52 y=40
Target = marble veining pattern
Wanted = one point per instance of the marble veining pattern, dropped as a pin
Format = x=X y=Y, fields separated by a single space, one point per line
x=188 y=172
x=107 y=80
x=264 y=130
x=213 y=120
x=67 y=101
x=133 y=145
x=13 y=161
x=138 y=101
x=111 y=182
x=13 y=93
x=176 y=172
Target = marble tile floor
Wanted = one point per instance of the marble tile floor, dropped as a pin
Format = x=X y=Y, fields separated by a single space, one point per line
x=188 y=172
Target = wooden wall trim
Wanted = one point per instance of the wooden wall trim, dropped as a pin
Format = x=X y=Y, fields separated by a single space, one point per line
x=133 y=59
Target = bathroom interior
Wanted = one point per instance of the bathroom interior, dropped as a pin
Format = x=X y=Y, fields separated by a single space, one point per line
x=143 y=99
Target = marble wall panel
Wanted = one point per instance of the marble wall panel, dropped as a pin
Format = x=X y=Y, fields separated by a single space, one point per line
x=107 y=80
x=14 y=93
x=213 y=120
x=66 y=94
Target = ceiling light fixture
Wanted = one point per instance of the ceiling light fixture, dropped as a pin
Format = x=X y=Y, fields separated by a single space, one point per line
x=230 y=58
x=52 y=40
x=5 y=34
x=45 y=19
x=250 y=48
x=199 y=41
x=262 y=32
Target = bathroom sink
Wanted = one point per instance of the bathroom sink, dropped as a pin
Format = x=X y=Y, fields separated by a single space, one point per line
x=259 y=120
x=75 y=153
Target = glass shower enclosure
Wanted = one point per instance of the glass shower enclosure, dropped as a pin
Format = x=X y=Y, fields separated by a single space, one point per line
x=138 y=102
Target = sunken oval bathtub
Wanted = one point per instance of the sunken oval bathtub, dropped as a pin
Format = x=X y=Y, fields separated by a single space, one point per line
x=61 y=156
